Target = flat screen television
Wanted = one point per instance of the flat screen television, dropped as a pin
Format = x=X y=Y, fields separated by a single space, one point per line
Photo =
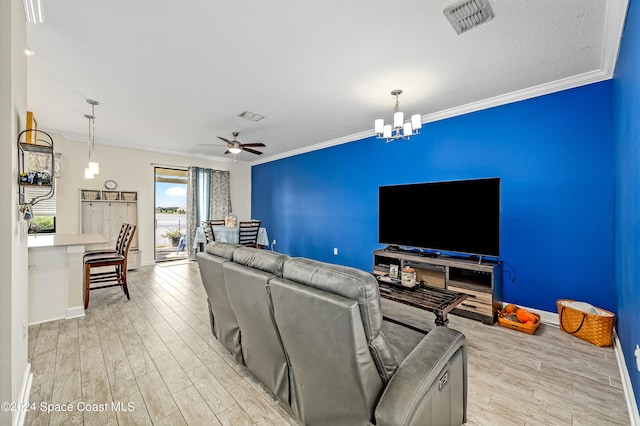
x=460 y=216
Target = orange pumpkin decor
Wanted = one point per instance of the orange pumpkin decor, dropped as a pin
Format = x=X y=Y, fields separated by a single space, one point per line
x=523 y=316
x=511 y=308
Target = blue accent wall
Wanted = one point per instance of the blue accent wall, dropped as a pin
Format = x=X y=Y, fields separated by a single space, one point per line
x=626 y=91
x=554 y=155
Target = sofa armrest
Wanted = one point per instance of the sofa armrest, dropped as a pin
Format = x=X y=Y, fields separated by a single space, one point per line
x=430 y=386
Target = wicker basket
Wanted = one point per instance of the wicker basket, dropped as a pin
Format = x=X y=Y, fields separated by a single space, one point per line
x=514 y=325
x=111 y=196
x=90 y=195
x=129 y=196
x=596 y=329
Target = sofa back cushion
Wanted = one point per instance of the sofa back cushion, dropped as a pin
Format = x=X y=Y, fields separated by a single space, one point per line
x=246 y=279
x=334 y=378
x=220 y=249
x=224 y=324
x=263 y=260
x=356 y=285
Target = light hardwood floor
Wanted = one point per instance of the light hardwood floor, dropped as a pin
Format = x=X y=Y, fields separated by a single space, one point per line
x=155 y=355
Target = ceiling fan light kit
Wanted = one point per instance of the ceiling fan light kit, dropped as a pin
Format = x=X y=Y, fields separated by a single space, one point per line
x=234 y=147
x=399 y=129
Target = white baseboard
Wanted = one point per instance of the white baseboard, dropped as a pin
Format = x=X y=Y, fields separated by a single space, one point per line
x=546 y=317
x=23 y=399
x=632 y=406
x=551 y=318
x=75 y=312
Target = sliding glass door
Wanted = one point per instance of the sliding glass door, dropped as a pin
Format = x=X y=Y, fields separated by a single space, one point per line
x=170 y=214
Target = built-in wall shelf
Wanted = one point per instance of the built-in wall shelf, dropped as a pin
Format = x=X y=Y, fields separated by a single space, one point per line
x=100 y=195
x=103 y=212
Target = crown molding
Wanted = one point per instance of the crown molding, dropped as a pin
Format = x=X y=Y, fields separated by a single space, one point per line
x=316 y=147
x=519 y=95
x=614 y=27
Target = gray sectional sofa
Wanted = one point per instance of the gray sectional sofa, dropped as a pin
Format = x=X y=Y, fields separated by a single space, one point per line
x=313 y=333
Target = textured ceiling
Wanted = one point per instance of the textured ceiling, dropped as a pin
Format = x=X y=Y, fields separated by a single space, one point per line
x=172 y=75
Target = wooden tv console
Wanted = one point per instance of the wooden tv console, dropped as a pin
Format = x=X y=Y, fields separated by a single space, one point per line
x=480 y=280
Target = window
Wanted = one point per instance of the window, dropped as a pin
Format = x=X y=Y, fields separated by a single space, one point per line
x=44 y=211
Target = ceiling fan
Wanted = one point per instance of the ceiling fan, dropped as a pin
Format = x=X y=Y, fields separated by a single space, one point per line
x=235 y=147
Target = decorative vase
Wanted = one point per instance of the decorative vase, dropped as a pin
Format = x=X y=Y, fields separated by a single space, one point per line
x=231 y=221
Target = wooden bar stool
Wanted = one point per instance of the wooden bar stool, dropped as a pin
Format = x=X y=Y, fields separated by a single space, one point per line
x=119 y=242
x=117 y=260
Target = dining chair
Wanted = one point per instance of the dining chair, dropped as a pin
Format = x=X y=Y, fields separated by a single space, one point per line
x=208 y=228
x=248 y=233
x=119 y=241
x=111 y=278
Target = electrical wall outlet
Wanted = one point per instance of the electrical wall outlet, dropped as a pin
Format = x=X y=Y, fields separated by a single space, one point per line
x=637 y=354
x=335 y=251
x=273 y=243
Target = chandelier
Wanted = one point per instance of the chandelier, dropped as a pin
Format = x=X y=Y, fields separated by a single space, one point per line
x=93 y=168
x=399 y=129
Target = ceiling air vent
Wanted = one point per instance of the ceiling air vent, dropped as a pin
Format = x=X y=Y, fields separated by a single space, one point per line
x=467 y=14
x=251 y=116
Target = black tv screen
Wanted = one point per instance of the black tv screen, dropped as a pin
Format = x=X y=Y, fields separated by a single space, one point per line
x=455 y=216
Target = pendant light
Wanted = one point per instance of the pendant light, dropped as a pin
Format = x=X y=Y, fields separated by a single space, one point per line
x=93 y=168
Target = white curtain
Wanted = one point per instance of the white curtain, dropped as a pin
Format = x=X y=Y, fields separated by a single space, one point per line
x=208 y=197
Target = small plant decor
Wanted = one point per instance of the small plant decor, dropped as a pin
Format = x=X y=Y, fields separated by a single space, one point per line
x=174 y=235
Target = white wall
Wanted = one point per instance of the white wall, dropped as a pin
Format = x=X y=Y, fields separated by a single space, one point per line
x=132 y=170
x=13 y=252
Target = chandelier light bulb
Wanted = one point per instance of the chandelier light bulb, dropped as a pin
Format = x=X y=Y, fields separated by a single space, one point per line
x=407 y=130
x=398 y=120
x=379 y=126
x=416 y=121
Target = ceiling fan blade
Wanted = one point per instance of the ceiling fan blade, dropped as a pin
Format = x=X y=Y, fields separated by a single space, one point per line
x=253 y=151
x=227 y=152
x=224 y=139
x=253 y=144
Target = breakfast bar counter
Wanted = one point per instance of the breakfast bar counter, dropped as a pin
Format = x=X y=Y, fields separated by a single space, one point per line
x=55 y=275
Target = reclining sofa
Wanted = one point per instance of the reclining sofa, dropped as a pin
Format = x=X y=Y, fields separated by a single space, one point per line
x=313 y=333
